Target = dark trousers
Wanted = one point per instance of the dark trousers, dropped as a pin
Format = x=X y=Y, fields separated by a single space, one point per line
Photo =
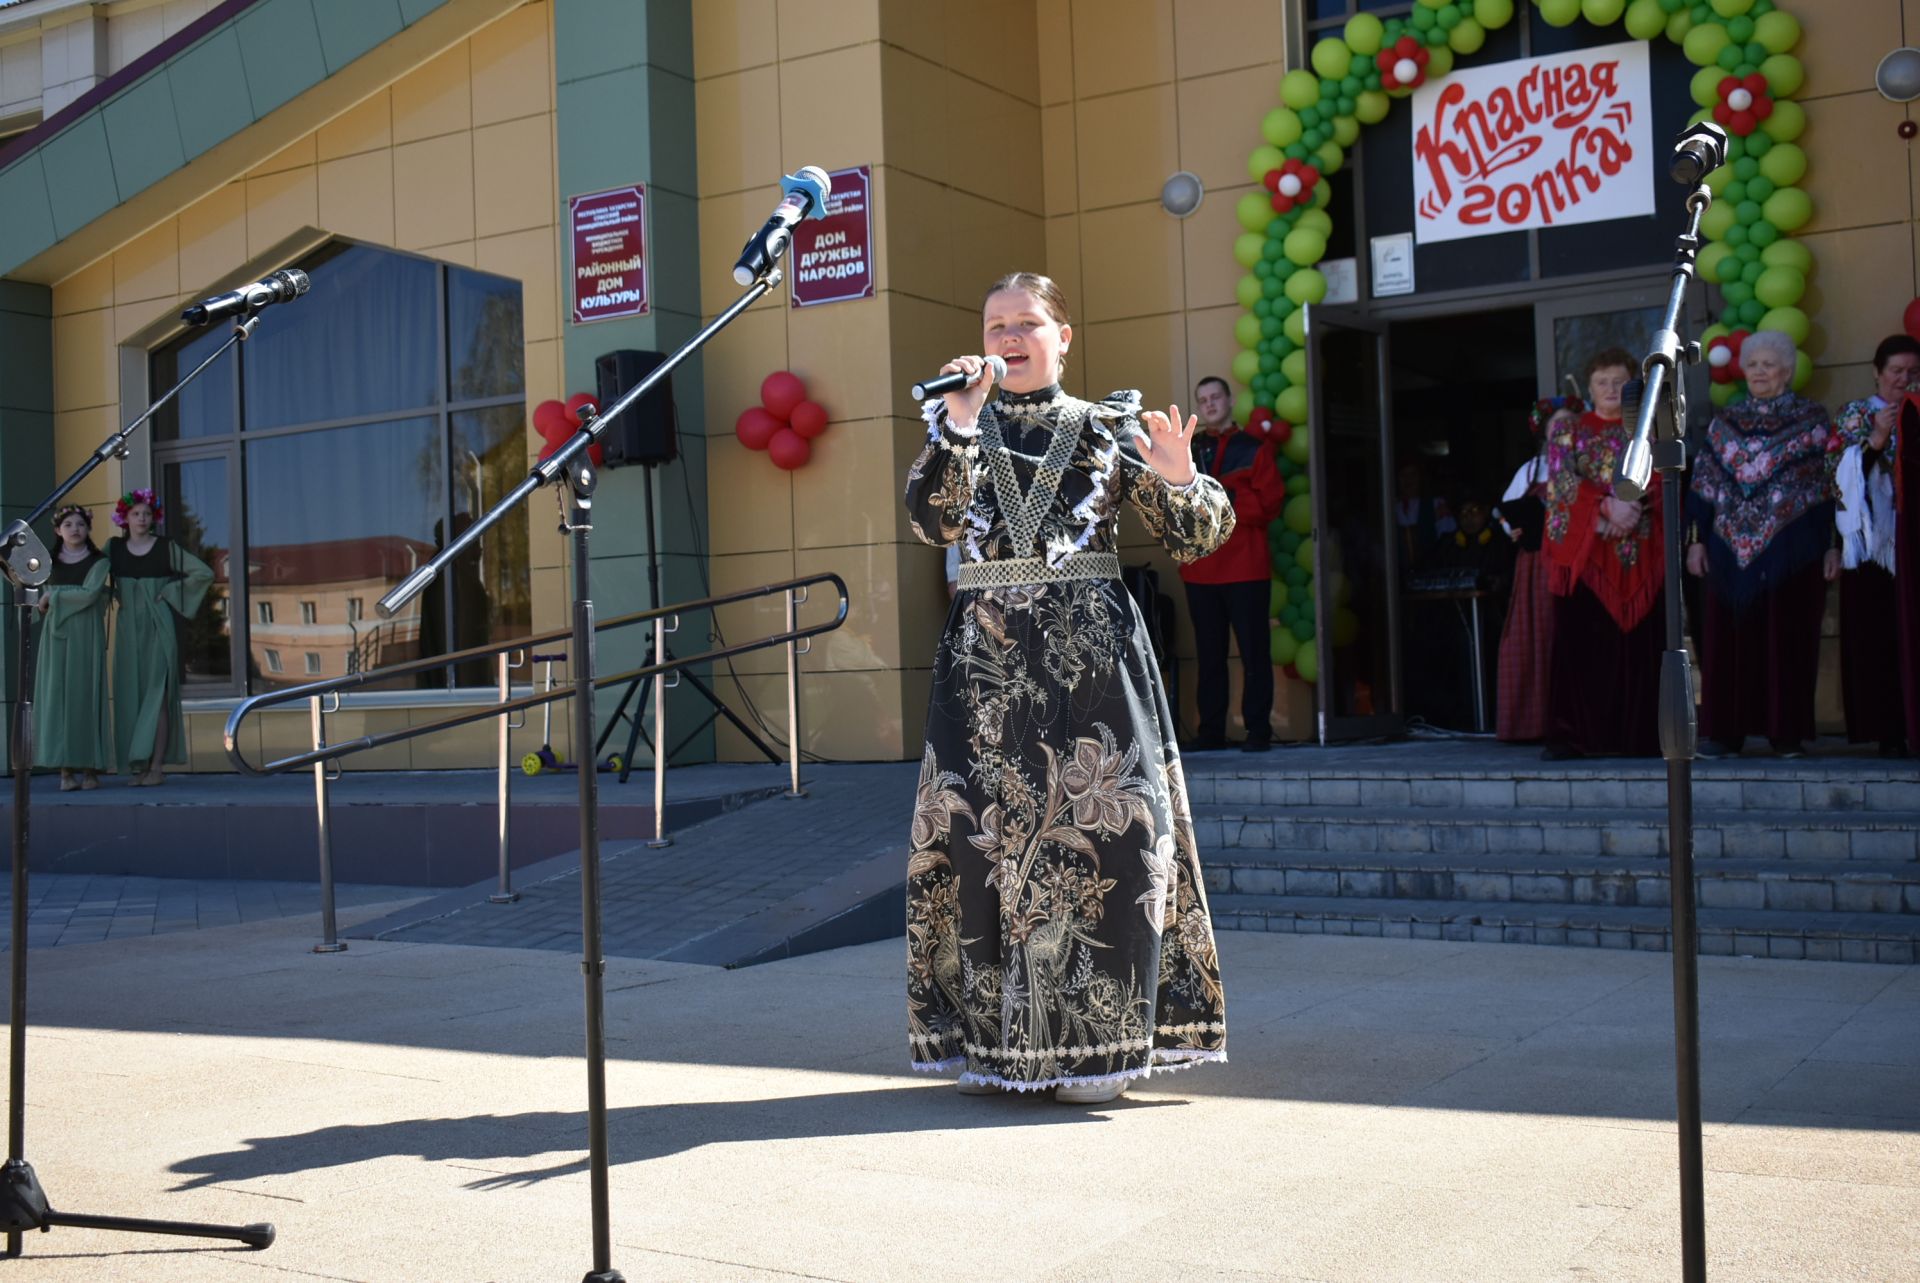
x=1241 y=609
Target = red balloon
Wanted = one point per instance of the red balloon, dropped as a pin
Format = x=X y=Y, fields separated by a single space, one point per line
x=1755 y=84
x=789 y=449
x=755 y=427
x=1743 y=123
x=809 y=419
x=579 y=401
x=550 y=421
x=1281 y=431
x=1260 y=422
x=1912 y=319
x=781 y=391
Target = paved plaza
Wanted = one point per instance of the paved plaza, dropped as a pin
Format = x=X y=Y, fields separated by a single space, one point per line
x=1393 y=1110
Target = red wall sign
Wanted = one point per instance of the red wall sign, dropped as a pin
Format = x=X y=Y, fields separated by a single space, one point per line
x=832 y=258
x=609 y=253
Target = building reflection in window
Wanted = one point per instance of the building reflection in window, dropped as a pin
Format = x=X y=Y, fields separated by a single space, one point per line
x=357 y=432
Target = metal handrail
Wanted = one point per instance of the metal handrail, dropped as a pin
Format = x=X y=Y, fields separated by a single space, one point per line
x=345 y=748
x=324 y=757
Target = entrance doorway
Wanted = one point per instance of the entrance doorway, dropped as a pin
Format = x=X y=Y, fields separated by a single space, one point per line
x=1461 y=388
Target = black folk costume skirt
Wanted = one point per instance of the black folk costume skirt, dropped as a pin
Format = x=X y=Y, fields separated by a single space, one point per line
x=1057 y=926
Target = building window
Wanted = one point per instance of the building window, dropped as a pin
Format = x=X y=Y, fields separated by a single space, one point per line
x=340 y=447
x=313 y=664
x=273 y=660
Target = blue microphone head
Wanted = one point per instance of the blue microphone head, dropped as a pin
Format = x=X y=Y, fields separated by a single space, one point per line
x=814 y=183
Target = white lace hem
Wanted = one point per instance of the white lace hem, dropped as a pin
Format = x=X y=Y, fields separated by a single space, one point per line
x=1166 y=1060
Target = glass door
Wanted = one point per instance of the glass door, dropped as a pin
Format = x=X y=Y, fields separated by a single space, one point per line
x=1568 y=331
x=1356 y=563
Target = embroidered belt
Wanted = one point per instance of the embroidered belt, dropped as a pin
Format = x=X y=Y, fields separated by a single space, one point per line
x=1011 y=572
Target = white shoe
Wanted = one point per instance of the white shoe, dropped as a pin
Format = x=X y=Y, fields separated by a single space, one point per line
x=968 y=1087
x=1090 y=1093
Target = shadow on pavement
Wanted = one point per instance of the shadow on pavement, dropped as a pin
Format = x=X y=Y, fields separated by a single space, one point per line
x=637 y=1133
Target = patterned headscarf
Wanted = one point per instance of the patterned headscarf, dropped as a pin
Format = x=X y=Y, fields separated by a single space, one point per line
x=1764 y=467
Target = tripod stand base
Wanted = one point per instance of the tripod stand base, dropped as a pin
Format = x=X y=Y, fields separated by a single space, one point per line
x=23 y=1206
x=605 y=1276
x=511 y=897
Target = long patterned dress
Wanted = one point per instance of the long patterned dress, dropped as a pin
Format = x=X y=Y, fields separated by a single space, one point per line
x=1057 y=927
x=70 y=728
x=1761 y=503
x=151 y=589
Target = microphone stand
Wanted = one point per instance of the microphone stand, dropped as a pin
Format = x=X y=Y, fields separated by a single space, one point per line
x=25 y=562
x=572 y=461
x=1659 y=444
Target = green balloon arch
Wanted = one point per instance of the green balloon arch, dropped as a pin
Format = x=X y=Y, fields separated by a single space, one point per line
x=1748 y=80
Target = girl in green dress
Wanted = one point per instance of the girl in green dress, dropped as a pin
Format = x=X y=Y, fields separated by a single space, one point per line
x=157 y=583
x=70 y=684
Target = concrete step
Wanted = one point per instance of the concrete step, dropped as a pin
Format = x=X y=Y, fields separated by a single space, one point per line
x=1718 y=787
x=1834 y=937
x=1743 y=834
x=1838 y=887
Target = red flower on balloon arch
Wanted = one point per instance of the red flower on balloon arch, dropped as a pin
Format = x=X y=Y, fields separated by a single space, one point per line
x=785 y=422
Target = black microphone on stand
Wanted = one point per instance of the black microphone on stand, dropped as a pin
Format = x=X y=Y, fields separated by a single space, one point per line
x=283 y=286
x=1700 y=149
x=946 y=383
x=806 y=197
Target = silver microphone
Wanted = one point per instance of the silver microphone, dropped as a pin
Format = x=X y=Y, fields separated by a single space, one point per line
x=283 y=286
x=946 y=383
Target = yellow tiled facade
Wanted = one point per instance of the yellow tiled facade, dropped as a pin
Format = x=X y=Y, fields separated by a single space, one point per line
x=1002 y=134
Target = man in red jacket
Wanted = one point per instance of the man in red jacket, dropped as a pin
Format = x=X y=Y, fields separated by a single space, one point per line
x=1229 y=589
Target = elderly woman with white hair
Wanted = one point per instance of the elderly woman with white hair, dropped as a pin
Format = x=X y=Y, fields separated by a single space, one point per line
x=1761 y=518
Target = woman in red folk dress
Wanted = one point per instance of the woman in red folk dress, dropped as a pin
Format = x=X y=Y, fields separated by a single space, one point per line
x=1526 y=641
x=1605 y=569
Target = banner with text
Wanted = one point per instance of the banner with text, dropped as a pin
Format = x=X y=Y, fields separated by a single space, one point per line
x=833 y=255
x=609 y=231
x=1539 y=142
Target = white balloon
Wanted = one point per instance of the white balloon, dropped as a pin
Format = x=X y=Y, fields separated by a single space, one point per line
x=1405 y=70
x=1290 y=185
x=1720 y=355
x=1740 y=99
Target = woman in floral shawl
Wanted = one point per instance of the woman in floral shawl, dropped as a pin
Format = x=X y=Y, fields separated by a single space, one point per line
x=1760 y=521
x=1860 y=459
x=1057 y=928
x=1603 y=559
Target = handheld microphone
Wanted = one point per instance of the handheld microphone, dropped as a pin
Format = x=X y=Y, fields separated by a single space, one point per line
x=958 y=379
x=283 y=286
x=805 y=197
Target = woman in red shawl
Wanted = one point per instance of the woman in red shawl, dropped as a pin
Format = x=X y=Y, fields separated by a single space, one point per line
x=1761 y=516
x=1605 y=570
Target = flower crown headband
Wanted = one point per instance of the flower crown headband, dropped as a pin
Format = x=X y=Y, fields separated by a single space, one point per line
x=64 y=511
x=1547 y=406
x=132 y=499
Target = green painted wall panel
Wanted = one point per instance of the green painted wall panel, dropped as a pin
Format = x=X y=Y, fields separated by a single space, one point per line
x=414 y=10
x=349 y=28
x=79 y=174
x=670 y=38
x=626 y=117
x=26 y=420
x=26 y=212
x=143 y=134
x=670 y=120
x=604 y=135
x=280 y=46
x=593 y=37
x=211 y=102
x=26 y=457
